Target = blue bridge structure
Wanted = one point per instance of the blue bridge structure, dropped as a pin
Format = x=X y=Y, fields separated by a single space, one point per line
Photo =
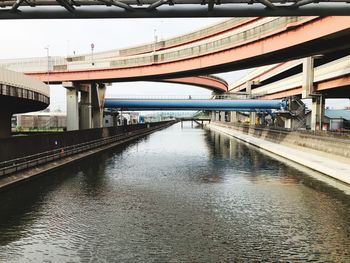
x=195 y=104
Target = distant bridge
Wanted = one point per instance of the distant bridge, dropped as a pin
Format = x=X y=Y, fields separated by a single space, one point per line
x=199 y=121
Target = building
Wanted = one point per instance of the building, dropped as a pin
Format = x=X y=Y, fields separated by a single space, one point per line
x=111 y=118
x=334 y=120
x=40 y=121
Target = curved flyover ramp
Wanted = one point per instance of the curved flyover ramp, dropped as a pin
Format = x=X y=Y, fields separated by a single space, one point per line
x=266 y=41
x=19 y=93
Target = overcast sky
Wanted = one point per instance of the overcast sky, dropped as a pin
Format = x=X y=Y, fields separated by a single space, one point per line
x=28 y=38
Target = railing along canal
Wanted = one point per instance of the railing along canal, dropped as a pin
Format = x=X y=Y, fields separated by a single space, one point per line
x=19 y=164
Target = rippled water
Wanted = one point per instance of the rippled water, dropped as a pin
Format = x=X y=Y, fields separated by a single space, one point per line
x=178 y=195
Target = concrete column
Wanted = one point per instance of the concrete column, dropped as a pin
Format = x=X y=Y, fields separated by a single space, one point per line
x=115 y=119
x=308 y=77
x=211 y=115
x=98 y=92
x=72 y=109
x=85 y=113
x=234 y=117
x=317 y=112
x=252 y=118
x=249 y=89
x=5 y=124
x=222 y=116
x=216 y=116
x=227 y=116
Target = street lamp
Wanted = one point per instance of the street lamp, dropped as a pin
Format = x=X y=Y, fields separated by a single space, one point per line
x=48 y=63
x=155 y=40
x=92 y=53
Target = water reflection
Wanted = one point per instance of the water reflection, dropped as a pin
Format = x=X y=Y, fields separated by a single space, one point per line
x=179 y=195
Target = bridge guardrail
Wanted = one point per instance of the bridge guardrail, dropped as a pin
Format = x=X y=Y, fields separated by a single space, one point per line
x=18 y=164
x=215 y=45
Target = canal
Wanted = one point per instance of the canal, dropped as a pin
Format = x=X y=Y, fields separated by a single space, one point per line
x=178 y=195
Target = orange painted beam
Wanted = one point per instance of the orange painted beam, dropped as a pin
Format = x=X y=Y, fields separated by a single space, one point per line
x=333 y=83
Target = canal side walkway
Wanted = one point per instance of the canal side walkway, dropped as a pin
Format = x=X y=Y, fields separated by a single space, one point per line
x=321 y=164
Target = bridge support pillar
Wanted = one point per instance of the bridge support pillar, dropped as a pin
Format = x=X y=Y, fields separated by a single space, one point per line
x=215 y=116
x=85 y=113
x=308 y=77
x=212 y=115
x=317 y=112
x=98 y=92
x=72 y=109
x=252 y=118
x=5 y=124
x=249 y=89
x=222 y=116
x=88 y=113
x=234 y=117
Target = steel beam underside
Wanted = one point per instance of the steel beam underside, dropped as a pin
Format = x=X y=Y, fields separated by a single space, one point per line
x=223 y=10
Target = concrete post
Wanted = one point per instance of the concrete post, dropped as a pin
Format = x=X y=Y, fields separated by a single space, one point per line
x=212 y=115
x=308 y=77
x=115 y=119
x=222 y=116
x=5 y=124
x=72 y=109
x=252 y=118
x=249 y=89
x=85 y=113
x=216 y=116
x=98 y=92
x=227 y=116
x=234 y=117
x=317 y=112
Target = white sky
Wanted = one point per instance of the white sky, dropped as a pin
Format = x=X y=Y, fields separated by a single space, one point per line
x=28 y=38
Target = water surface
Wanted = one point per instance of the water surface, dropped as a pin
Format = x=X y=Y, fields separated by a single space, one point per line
x=178 y=195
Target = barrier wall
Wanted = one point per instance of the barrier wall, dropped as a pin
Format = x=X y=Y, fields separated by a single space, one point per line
x=329 y=143
x=21 y=146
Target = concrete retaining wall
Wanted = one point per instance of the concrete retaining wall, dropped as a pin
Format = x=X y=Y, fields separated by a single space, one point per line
x=321 y=141
x=29 y=144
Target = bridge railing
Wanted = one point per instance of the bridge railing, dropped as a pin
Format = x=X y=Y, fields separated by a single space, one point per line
x=184 y=38
x=234 y=38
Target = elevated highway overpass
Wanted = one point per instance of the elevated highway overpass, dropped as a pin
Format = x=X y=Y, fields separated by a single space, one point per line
x=317 y=78
x=19 y=93
x=331 y=78
x=53 y=9
x=265 y=41
x=245 y=43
